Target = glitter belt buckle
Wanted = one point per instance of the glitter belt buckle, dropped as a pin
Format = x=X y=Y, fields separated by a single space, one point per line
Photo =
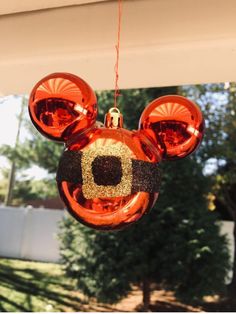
x=90 y=188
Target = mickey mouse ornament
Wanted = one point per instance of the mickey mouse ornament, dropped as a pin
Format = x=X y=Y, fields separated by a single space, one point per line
x=108 y=177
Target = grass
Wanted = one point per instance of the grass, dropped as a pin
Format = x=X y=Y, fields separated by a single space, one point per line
x=42 y=287
x=35 y=287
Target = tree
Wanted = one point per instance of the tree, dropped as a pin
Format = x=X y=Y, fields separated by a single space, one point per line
x=34 y=150
x=219 y=103
x=177 y=245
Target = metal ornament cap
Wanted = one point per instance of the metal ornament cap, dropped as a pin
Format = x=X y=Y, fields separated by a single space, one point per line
x=114 y=119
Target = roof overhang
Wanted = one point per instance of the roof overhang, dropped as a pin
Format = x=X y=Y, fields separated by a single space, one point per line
x=163 y=42
x=16 y=6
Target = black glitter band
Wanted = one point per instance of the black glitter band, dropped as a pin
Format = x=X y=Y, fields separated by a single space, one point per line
x=146 y=176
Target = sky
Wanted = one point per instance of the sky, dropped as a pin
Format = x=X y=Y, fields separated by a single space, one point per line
x=10 y=107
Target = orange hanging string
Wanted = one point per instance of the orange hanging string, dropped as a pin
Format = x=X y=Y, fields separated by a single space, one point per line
x=117 y=92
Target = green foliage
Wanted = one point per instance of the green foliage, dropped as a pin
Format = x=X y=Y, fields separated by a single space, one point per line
x=218 y=102
x=26 y=190
x=40 y=150
x=101 y=275
x=201 y=255
x=177 y=244
x=35 y=150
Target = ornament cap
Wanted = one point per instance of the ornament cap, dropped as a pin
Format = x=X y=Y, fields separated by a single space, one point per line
x=113 y=119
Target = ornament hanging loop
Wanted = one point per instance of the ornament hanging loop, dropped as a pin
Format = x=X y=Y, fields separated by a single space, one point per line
x=113 y=119
x=117 y=92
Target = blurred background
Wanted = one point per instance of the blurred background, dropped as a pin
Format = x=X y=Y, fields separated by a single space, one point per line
x=178 y=257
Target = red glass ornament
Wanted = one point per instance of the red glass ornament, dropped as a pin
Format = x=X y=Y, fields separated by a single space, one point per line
x=62 y=104
x=175 y=124
x=63 y=107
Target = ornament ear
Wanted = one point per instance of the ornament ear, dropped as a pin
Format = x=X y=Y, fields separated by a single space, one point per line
x=175 y=124
x=62 y=104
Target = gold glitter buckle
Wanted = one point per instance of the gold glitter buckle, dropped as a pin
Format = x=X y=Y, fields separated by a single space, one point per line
x=90 y=188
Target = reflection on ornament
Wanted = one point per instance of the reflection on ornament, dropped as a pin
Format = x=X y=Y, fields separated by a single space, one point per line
x=175 y=124
x=108 y=176
x=62 y=104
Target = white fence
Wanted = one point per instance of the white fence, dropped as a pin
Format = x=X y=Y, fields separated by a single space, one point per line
x=30 y=233
x=228 y=228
